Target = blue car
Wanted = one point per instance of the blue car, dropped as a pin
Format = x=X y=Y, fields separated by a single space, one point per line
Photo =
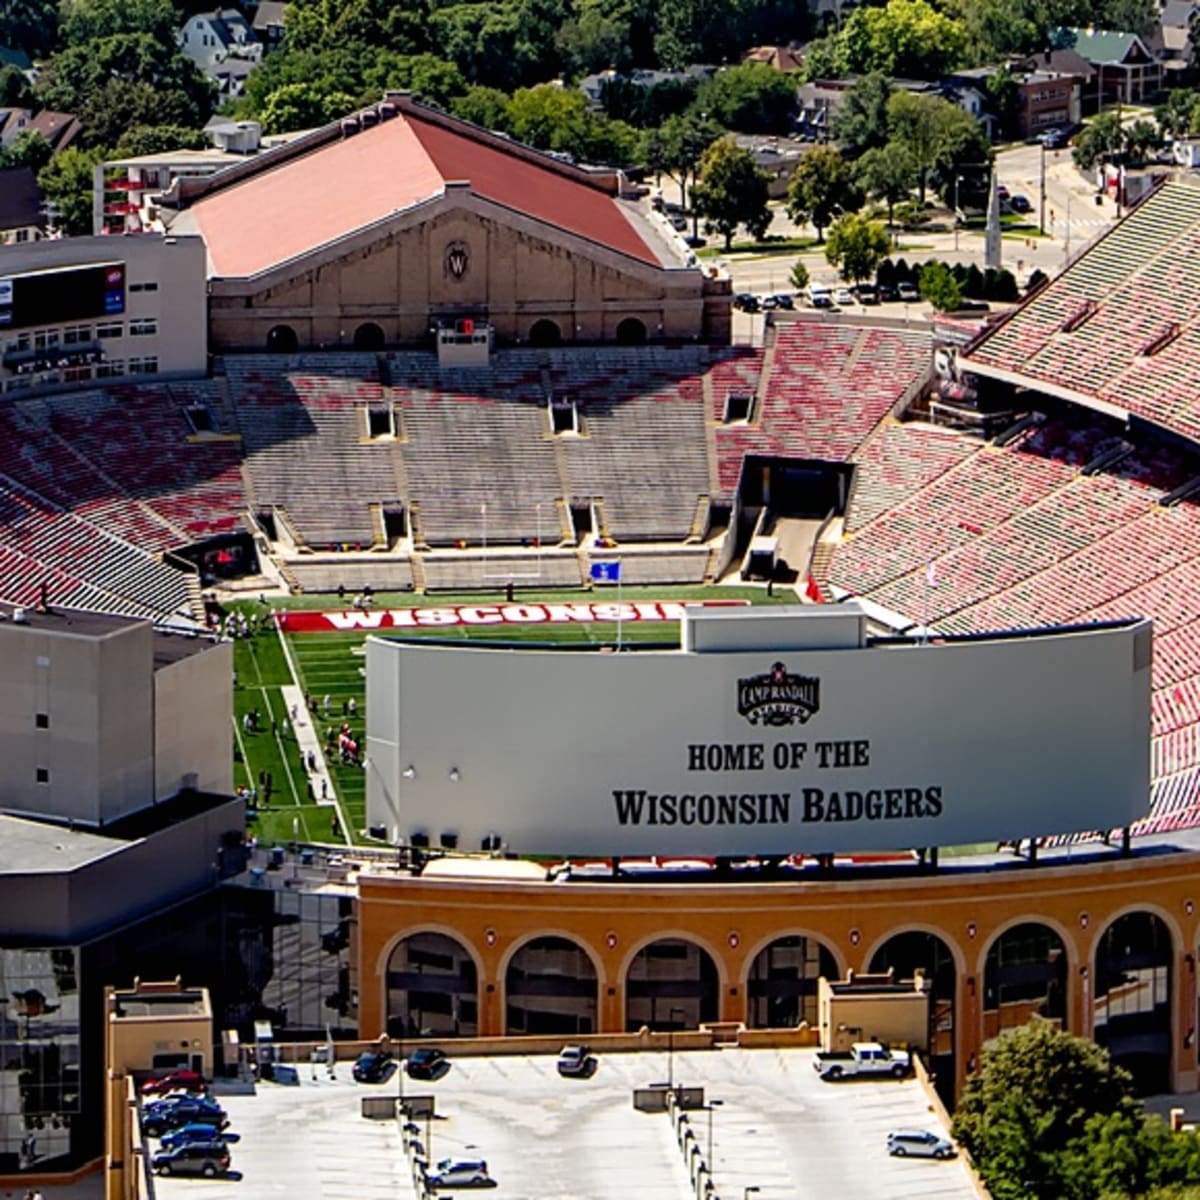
x=196 y=1132
x=168 y=1120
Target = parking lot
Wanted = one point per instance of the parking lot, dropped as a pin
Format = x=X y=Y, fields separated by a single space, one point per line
x=777 y=1128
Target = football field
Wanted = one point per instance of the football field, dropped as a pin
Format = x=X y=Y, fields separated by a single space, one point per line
x=329 y=668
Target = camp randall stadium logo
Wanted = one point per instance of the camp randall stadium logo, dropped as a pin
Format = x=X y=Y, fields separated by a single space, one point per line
x=778 y=698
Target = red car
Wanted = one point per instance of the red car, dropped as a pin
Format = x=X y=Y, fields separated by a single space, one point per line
x=176 y=1081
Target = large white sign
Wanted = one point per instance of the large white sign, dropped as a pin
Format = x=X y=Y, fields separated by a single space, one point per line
x=875 y=748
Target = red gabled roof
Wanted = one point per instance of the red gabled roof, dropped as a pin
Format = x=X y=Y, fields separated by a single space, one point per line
x=294 y=206
x=541 y=192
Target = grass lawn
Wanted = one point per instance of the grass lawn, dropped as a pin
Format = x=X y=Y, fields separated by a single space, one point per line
x=332 y=664
x=764 y=249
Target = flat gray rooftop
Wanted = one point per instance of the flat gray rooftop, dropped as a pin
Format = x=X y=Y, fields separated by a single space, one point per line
x=65 y=620
x=37 y=846
x=779 y=1128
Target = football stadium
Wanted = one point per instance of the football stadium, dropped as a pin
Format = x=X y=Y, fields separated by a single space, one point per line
x=603 y=674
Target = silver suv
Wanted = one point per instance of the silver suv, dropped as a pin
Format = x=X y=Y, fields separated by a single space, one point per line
x=919 y=1143
x=457 y=1172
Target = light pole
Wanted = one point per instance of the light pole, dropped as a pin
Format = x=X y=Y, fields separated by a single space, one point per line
x=711 y=1107
x=671 y=1046
x=1042 y=196
x=957 y=211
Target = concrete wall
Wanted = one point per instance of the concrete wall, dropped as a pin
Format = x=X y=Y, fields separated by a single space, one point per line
x=95 y=693
x=193 y=739
x=139 y=876
x=573 y=752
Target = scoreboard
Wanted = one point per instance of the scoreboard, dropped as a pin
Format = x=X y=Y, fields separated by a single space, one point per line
x=60 y=296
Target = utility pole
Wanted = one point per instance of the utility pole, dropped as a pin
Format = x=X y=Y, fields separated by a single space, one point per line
x=1042 y=199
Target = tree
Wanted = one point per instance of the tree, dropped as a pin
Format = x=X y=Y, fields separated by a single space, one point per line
x=1140 y=138
x=753 y=98
x=907 y=38
x=886 y=173
x=799 y=276
x=856 y=246
x=1177 y=114
x=29 y=25
x=66 y=182
x=862 y=121
x=85 y=20
x=28 y=149
x=96 y=71
x=675 y=149
x=933 y=131
x=484 y=106
x=594 y=40
x=1038 y=1087
x=822 y=187
x=731 y=190
x=159 y=139
x=938 y=286
x=1004 y=96
x=302 y=106
x=1101 y=139
x=15 y=91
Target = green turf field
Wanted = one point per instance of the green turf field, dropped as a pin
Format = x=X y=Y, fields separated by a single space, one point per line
x=332 y=664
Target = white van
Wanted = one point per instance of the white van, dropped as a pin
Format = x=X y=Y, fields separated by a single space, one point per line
x=819 y=295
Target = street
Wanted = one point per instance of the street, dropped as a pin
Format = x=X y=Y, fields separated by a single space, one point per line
x=1073 y=219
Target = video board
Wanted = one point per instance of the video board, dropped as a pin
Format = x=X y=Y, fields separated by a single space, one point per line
x=60 y=297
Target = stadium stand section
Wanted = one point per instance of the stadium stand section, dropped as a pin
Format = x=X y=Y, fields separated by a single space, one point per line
x=1121 y=326
x=822 y=391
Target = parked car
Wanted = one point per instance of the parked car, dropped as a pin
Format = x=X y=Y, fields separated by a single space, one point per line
x=196 y=1132
x=372 y=1066
x=460 y=1172
x=867 y=293
x=843 y=296
x=427 y=1063
x=863 y=1058
x=575 y=1061
x=746 y=302
x=783 y=300
x=1019 y=203
x=919 y=1143
x=176 y=1100
x=908 y=292
x=887 y=292
x=209 y=1161
x=190 y=1112
x=184 y=1080
x=819 y=295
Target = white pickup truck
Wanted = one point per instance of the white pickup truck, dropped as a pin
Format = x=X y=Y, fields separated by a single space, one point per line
x=863 y=1058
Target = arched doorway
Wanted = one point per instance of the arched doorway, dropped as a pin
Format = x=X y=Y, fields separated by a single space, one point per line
x=1025 y=976
x=432 y=988
x=282 y=340
x=905 y=954
x=1131 y=1012
x=368 y=336
x=782 y=985
x=550 y=987
x=545 y=333
x=671 y=984
x=631 y=332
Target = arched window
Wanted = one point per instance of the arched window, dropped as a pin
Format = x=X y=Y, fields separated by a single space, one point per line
x=432 y=988
x=282 y=340
x=550 y=987
x=671 y=984
x=783 y=978
x=545 y=333
x=1025 y=976
x=906 y=953
x=368 y=336
x=1131 y=1012
x=631 y=332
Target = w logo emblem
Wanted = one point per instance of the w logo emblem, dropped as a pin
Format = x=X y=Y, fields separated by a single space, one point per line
x=458 y=258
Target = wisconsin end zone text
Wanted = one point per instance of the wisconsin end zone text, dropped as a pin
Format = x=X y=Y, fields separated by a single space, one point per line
x=636 y=806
